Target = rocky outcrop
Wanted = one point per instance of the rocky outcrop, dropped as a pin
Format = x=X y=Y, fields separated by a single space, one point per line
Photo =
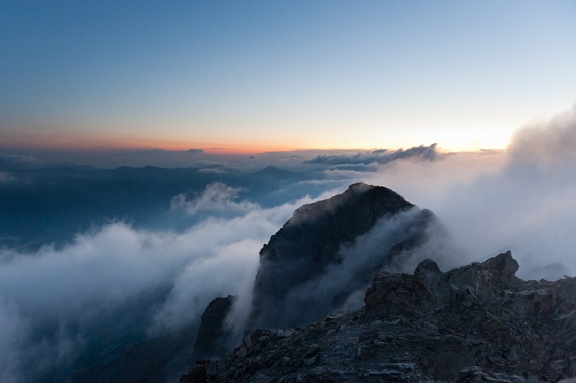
x=212 y=334
x=477 y=323
x=295 y=265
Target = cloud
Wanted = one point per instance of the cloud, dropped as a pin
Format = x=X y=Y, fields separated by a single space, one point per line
x=218 y=198
x=151 y=152
x=117 y=282
x=6 y=177
x=380 y=156
x=13 y=330
x=225 y=272
x=215 y=169
x=228 y=267
x=546 y=144
x=17 y=160
x=523 y=199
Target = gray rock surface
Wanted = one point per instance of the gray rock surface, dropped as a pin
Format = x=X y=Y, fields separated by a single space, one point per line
x=477 y=323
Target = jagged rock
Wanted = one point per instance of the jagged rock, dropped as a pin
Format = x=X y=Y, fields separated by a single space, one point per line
x=211 y=339
x=503 y=264
x=477 y=323
x=428 y=274
x=311 y=244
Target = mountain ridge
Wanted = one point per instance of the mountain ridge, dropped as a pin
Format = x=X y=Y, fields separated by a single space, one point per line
x=317 y=240
x=475 y=323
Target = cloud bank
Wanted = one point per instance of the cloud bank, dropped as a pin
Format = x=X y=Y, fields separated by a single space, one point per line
x=217 y=198
x=6 y=177
x=523 y=198
x=54 y=302
x=379 y=156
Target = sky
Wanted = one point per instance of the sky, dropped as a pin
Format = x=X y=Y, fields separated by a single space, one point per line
x=257 y=76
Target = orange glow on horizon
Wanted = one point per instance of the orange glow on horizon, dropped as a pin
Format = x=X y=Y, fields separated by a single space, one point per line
x=207 y=148
x=40 y=141
x=89 y=142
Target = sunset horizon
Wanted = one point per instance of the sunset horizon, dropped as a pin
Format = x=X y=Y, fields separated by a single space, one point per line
x=256 y=77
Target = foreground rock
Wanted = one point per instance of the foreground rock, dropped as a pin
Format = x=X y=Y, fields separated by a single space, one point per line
x=477 y=323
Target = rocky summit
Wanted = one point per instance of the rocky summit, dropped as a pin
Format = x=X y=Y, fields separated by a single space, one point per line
x=477 y=323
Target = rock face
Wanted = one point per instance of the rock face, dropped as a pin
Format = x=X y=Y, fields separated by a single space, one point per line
x=212 y=333
x=477 y=323
x=299 y=266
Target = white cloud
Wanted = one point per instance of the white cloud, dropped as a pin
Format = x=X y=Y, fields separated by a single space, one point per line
x=546 y=144
x=523 y=199
x=105 y=270
x=217 y=198
x=12 y=331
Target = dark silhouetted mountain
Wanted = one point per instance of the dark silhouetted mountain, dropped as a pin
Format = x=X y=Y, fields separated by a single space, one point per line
x=273 y=171
x=477 y=323
x=310 y=263
x=212 y=328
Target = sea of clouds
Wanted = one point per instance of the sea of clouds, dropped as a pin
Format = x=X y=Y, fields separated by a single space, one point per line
x=54 y=302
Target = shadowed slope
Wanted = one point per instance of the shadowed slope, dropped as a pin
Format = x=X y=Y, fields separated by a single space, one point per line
x=300 y=258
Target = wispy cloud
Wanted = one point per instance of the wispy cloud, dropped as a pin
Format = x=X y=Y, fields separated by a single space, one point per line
x=380 y=156
x=6 y=177
x=546 y=144
x=55 y=298
x=217 y=198
x=17 y=160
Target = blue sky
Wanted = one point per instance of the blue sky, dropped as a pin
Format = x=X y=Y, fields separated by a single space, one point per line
x=269 y=75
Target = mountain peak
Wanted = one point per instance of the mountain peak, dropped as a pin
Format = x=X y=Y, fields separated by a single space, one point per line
x=322 y=235
x=360 y=186
x=273 y=171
